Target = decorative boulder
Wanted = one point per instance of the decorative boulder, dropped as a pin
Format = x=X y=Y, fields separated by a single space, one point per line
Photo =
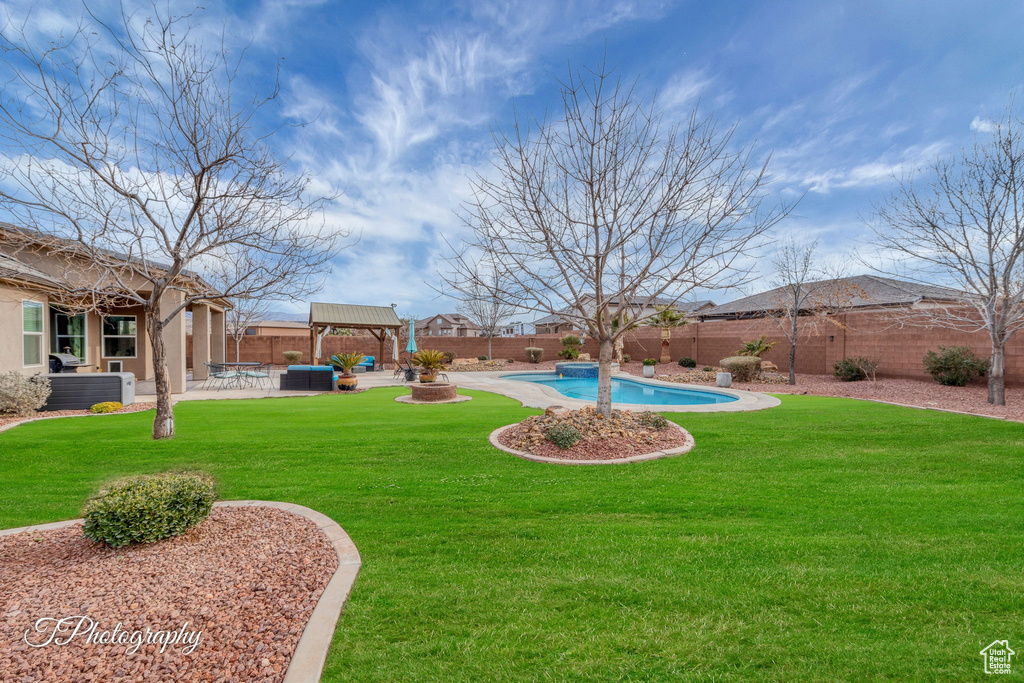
x=584 y=357
x=768 y=366
x=557 y=412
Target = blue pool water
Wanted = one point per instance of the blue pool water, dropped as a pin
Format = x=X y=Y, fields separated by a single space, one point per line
x=623 y=390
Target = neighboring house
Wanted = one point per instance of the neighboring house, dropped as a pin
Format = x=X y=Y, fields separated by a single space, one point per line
x=861 y=292
x=34 y=324
x=558 y=324
x=447 y=325
x=517 y=329
x=278 y=328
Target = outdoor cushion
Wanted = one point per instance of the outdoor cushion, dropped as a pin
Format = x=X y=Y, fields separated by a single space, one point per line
x=310 y=367
x=368 y=360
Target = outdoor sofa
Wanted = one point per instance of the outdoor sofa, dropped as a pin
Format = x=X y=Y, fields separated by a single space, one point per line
x=309 y=378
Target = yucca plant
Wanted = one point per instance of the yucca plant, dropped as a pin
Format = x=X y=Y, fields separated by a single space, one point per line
x=346 y=361
x=756 y=348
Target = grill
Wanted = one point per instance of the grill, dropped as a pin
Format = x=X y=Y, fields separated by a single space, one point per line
x=66 y=362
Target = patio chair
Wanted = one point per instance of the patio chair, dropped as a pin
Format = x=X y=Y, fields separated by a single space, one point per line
x=219 y=375
x=410 y=373
x=256 y=375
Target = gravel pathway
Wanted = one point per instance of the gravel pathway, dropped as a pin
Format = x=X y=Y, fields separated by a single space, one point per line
x=246 y=578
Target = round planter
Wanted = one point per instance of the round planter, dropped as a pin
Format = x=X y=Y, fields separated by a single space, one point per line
x=434 y=392
x=648 y=371
x=428 y=376
x=347 y=382
x=723 y=379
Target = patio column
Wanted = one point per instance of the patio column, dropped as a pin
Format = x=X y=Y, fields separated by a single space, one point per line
x=200 y=341
x=174 y=340
x=218 y=336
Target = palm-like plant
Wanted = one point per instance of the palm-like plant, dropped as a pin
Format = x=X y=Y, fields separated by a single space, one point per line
x=429 y=359
x=757 y=348
x=665 y=320
x=346 y=361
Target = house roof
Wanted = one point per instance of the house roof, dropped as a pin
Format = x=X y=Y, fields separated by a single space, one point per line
x=452 y=320
x=865 y=291
x=13 y=269
x=683 y=307
x=352 y=315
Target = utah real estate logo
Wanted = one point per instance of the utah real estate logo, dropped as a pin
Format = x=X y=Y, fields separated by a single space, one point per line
x=997 y=657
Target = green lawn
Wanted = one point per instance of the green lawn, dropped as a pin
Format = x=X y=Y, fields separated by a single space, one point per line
x=825 y=539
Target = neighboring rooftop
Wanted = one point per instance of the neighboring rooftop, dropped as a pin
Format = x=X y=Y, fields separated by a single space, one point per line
x=448 y=320
x=864 y=291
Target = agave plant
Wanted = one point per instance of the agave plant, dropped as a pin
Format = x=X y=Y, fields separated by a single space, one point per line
x=429 y=359
x=346 y=361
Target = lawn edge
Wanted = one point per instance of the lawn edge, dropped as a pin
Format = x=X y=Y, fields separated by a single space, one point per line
x=653 y=455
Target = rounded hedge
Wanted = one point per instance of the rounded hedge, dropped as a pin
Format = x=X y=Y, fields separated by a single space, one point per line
x=148 y=508
x=106 y=407
x=743 y=368
x=687 y=362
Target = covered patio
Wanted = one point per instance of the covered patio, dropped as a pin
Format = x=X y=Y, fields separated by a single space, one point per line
x=380 y=321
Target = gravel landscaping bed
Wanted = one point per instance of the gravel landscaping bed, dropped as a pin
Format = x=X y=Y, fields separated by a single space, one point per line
x=247 y=578
x=621 y=436
x=133 y=408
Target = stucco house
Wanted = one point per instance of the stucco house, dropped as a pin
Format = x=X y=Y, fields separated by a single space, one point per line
x=447 y=325
x=36 y=320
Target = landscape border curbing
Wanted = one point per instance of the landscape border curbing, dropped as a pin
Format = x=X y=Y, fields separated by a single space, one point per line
x=310 y=656
x=653 y=455
x=408 y=399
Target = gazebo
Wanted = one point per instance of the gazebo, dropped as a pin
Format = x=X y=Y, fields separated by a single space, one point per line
x=377 y=319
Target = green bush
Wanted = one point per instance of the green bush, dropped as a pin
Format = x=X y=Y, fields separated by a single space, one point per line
x=650 y=361
x=511 y=360
x=848 y=370
x=743 y=368
x=563 y=436
x=534 y=354
x=626 y=358
x=147 y=508
x=571 y=344
x=954 y=366
x=106 y=407
x=687 y=362
x=481 y=357
x=653 y=420
x=757 y=348
x=292 y=357
x=708 y=368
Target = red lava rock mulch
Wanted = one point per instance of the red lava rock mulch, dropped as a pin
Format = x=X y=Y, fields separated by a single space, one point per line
x=621 y=436
x=247 y=578
x=133 y=408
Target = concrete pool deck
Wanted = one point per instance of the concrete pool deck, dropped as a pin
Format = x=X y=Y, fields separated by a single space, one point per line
x=541 y=396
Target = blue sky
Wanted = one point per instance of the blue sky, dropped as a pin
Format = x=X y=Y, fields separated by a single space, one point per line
x=398 y=100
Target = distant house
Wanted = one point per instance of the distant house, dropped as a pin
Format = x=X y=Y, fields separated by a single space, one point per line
x=557 y=323
x=278 y=328
x=447 y=325
x=517 y=328
x=861 y=292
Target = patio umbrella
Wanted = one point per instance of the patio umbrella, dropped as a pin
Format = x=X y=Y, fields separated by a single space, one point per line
x=411 y=346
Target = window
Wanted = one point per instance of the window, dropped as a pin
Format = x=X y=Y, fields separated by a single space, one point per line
x=67 y=333
x=438 y=321
x=119 y=336
x=32 y=333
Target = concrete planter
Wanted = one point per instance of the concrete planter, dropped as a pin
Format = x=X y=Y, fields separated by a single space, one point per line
x=648 y=371
x=723 y=379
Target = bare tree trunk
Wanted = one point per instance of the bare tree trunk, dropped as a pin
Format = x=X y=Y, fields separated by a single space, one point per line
x=490 y=354
x=997 y=375
x=238 y=343
x=666 y=341
x=604 y=377
x=792 y=351
x=163 y=424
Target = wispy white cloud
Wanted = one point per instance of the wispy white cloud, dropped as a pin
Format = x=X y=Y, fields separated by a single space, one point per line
x=982 y=125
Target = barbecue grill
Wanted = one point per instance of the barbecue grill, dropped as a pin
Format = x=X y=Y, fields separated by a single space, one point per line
x=66 y=362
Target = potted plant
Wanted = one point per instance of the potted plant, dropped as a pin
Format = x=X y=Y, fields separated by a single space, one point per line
x=347 y=381
x=431 y=363
x=649 y=364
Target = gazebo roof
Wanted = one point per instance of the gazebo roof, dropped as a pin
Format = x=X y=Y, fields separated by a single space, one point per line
x=351 y=315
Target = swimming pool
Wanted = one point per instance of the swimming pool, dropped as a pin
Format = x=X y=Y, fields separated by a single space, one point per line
x=623 y=390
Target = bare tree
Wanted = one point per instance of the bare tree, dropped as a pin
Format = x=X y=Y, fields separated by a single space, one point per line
x=484 y=306
x=605 y=202
x=128 y=148
x=245 y=313
x=963 y=224
x=808 y=292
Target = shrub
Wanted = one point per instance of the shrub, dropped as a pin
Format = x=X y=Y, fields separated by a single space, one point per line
x=106 y=407
x=954 y=366
x=756 y=348
x=22 y=395
x=571 y=344
x=346 y=361
x=653 y=420
x=626 y=358
x=743 y=368
x=534 y=354
x=650 y=361
x=148 y=508
x=292 y=357
x=687 y=362
x=449 y=357
x=429 y=360
x=708 y=368
x=481 y=357
x=510 y=360
x=849 y=371
x=563 y=436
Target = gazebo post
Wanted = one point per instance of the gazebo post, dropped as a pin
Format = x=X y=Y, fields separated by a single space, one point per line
x=312 y=344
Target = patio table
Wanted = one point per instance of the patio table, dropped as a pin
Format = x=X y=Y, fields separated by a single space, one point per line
x=241 y=365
